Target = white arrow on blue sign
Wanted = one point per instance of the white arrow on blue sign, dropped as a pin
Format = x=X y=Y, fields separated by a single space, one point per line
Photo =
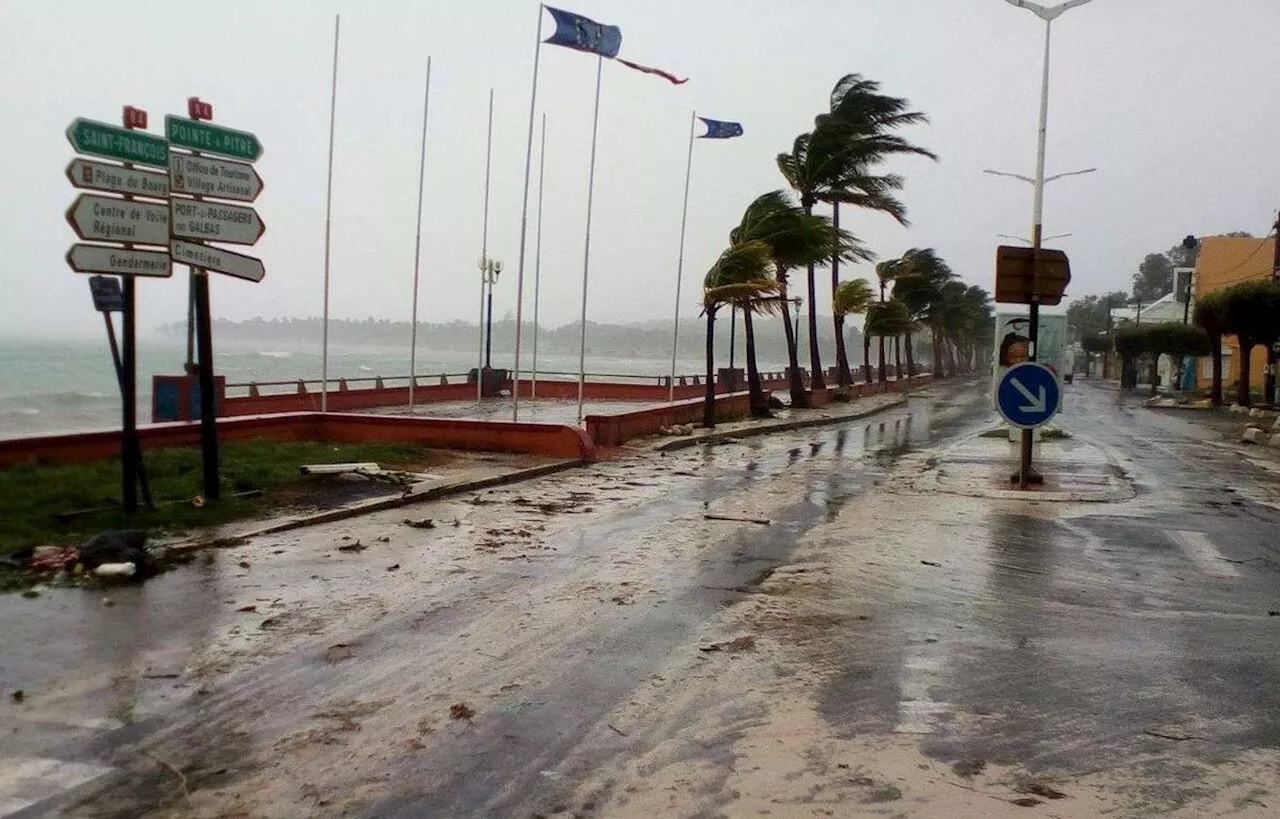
x=1029 y=395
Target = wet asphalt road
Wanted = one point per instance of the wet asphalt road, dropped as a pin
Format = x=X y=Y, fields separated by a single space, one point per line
x=1055 y=637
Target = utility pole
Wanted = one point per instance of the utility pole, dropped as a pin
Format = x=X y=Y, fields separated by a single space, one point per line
x=1275 y=267
x=1106 y=354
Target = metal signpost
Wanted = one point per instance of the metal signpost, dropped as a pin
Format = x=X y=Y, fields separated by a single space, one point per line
x=116 y=223
x=194 y=180
x=1031 y=276
x=108 y=298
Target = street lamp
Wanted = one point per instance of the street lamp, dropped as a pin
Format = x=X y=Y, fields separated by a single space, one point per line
x=1048 y=15
x=1025 y=474
x=1028 y=241
x=1031 y=181
x=489 y=270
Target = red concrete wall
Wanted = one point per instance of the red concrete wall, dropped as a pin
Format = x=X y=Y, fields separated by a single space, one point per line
x=600 y=391
x=613 y=430
x=549 y=440
x=345 y=400
x=373 y=398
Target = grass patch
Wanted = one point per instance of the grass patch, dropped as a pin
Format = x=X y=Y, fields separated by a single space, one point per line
x=33 y=497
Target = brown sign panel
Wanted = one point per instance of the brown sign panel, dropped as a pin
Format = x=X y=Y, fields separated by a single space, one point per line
x=1018 y=281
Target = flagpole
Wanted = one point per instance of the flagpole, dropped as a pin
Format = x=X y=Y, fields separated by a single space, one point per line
x=537 y=259
x=484 y=252
x=417 y=242
x=328 y=222
x=524 y=217
x=586 y=253
x=684 y=223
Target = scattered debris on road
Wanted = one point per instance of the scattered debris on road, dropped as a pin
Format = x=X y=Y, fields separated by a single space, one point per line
x=931 y=563
x=338 y=652
x=738 y=644
x=735 y=519
x=247 y=609
x=1172 y=737
x=969 y=768
x=355 y=546
x=1041 y=789
x=460 y=710
x=425 y=523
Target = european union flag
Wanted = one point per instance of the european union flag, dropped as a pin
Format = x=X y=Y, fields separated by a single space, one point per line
x=718 y=129
x=584 y=34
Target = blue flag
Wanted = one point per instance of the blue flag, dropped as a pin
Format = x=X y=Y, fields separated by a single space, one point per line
x=584 y=34
x=718 y=129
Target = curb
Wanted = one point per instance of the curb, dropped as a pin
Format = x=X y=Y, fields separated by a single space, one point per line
x=380 y=505
x=782 y=426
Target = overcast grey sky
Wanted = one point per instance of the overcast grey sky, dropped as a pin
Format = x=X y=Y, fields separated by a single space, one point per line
x=1173 y=100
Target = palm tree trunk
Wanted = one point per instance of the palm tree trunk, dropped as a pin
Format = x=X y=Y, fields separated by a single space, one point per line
x=1215 y=393
x=883 y=373
x=759 y=401
x=937 y=353
x=816 y=381
x=844 y=377
x=897 y=357
x=842 y=354
x=709 y=409
x=1243 y=398
x=911 y=356
x=798 y=396
x=951 y=356
x=866 y=356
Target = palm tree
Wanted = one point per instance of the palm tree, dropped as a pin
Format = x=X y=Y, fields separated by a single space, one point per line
x=919 y=278
x=795 y=239
x=916 y=277
x=739 y=275
x=966 y=322
x=852 y=296
x=885 y=319
x=857 y=135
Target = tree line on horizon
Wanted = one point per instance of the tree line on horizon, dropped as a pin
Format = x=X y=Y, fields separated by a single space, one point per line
x=642 y=339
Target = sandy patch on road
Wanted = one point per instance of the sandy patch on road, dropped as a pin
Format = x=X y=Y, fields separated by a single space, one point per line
x=791 y=765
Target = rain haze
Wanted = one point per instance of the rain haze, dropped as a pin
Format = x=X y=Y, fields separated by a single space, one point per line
x=1169 y=99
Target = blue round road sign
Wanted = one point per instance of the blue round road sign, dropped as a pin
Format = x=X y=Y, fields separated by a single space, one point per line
x=1028 y=395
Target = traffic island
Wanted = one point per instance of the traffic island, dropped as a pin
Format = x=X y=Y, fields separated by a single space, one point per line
x=1072 y=471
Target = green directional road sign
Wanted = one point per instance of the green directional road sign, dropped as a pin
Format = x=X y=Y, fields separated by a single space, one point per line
x=214 y=139
x=100 y=139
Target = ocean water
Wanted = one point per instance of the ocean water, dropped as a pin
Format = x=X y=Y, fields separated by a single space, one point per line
x=61 y=386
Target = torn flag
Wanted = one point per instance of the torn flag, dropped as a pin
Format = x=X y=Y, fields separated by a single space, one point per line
x=719 y=129
x=584 y=34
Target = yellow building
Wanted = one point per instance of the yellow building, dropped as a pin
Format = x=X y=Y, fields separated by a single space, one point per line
x=1224 y=261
